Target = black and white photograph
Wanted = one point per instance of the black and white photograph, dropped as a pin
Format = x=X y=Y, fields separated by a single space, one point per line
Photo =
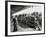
x=25 y=18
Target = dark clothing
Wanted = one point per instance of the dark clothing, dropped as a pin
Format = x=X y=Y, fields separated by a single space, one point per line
x=15 y=27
